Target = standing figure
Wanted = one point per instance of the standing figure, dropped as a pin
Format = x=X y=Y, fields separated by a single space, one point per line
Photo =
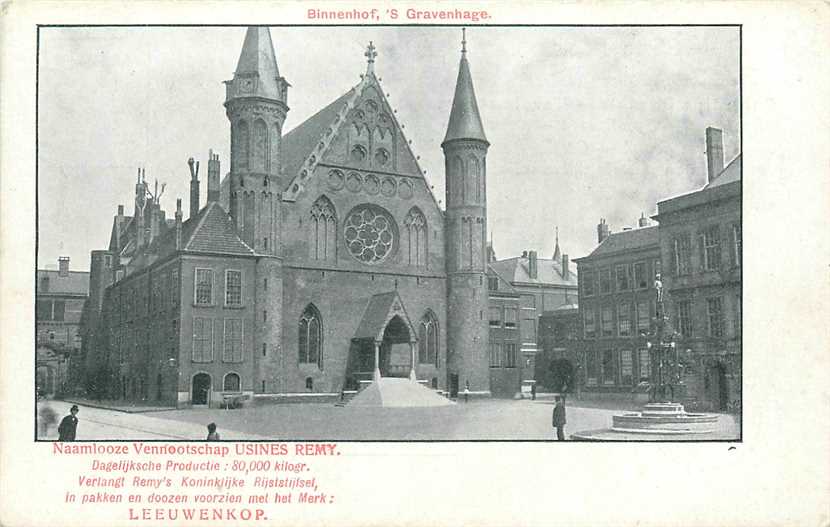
x=466 y=391
x=69 y=425
x=559 y=418
x=213 y=435
x=47 y=418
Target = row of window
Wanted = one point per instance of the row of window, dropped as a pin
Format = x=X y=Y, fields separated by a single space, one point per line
x=503 y=354
x=204 y=289
x=310 y=338
x=631 y=319
x=711 y=255
x=617 y=367
x=624 y=277
x=634 y=318
x=503 y=317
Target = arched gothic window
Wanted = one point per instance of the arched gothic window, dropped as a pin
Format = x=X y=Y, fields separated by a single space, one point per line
x=242 y=141
x=261 y=151
x=231 y=383
x=428 y=339
x=311 y=337
x=415 y=230
x=457 y=181
x=473 y=187
x=322 y=230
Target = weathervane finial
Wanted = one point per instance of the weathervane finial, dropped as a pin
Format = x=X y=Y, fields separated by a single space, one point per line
x=463 y=40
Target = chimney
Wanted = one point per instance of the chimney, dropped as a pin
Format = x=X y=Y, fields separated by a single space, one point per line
x=63 y=266
x=602 y=230
x=194 y=187
x=565 y=271
x=524 y=254
x=213 y=177
x=714 y=152
x=533 y=265
x=643 y=221
x=178 y=224
x=154 y=222
x=121 y=211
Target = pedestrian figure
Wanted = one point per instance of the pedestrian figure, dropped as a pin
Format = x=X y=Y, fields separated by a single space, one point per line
x=533 y=392
x=466 y=391
x=69 y=425
x=559 y=418
x=213 y=435
x=48 y=418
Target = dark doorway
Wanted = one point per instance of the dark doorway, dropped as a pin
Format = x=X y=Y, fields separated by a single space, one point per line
x=453 y=385
x=716 y=387
x=395 y=351
x=560 y=375
x=201 y=389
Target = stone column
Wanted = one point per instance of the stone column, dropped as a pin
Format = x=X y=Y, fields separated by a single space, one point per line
x=376 y=374
x=412 y=375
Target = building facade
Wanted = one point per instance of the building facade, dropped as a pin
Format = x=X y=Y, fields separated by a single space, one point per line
x=322 y=259
x=558 y=361
x=59 y=306
x=701 y=247
x=525 y=287
x=617 y=308
x=696 y=250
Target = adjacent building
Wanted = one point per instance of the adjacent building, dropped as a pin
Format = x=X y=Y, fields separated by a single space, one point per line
x=701 y=247
x=321 y=260
x=617 y=307
x=521 y=289
x=696 y=249
x=59 y=305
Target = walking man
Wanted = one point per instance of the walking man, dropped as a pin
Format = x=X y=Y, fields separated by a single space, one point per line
x=559 y=418
x=69 y=425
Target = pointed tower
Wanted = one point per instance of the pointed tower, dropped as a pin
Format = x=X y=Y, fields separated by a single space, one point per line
x=256 y=105
x=557 y=254
x=465 y=152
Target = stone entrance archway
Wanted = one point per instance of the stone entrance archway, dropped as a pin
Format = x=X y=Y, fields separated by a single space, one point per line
x=395 y=352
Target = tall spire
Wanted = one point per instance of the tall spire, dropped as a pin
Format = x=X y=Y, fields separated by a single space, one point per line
x=465 y=121
x=557 y=254
x=257 y=73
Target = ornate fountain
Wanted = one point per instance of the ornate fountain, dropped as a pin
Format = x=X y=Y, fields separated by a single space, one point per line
x=660 y=419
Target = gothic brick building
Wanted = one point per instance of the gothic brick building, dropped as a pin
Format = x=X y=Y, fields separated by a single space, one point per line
x=321 y=259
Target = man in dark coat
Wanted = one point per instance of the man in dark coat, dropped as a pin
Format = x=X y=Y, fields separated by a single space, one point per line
x=559 y=418
x=69 y=425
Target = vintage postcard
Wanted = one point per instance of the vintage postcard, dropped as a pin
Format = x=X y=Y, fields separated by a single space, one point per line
x=469 y=255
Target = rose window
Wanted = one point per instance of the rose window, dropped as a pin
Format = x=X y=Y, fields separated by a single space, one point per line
x=370 y=233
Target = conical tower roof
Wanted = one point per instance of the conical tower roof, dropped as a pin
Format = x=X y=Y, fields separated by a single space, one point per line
x=257 y=73
x=465 y=120
x=557 y=254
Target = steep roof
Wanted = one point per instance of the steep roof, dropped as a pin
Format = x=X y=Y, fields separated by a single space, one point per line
x=74 y=283
x=211 y=231
x=549 y=272
x=258 y=60
x=465 y=120
x=381 y=308
x=303 y=139
x=642 y=238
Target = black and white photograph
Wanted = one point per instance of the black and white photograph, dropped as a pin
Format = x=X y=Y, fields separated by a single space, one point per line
x=392 y=233
x=414 y=263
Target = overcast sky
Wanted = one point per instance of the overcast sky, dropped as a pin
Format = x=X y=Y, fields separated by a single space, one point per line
x=583 y=122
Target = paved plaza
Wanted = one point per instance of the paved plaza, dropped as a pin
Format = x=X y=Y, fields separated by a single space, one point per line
x=492 y=419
